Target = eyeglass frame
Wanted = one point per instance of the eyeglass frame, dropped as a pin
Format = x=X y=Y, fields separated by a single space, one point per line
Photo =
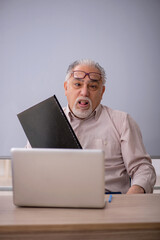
x=87 y=74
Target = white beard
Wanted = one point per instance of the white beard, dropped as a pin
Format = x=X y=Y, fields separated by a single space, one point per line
x=80 y=113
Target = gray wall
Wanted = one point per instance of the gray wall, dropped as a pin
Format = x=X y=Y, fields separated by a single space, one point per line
x=40 y=38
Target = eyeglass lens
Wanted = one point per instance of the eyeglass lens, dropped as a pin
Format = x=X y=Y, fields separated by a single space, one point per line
x=82 y=75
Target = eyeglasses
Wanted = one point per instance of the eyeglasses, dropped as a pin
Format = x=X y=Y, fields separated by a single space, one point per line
x=81 y=75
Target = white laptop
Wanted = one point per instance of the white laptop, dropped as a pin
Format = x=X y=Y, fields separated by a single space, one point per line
x=58 y=177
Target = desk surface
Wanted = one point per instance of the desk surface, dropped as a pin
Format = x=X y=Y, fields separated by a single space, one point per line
x=137 y=215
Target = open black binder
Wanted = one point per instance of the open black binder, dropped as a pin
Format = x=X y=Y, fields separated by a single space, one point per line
x=46 y=126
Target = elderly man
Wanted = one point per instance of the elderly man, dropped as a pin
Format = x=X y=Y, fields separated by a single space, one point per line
x=100 y=127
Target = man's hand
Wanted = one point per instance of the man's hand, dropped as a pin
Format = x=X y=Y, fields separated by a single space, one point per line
x=135 y=189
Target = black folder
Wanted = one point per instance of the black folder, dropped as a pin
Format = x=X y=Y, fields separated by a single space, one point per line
x=46 y=126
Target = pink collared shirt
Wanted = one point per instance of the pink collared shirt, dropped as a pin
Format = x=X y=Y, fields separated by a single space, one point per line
x=119 y=136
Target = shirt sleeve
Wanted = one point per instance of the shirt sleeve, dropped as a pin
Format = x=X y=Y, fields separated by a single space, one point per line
x=137 y=162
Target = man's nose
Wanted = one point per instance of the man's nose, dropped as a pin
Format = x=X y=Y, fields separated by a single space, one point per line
x=84 y=90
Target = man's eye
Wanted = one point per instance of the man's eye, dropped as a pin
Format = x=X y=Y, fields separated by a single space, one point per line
x=93 y=87
x=77 y=85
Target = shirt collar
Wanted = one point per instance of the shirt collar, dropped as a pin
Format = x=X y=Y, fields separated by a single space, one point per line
x=96 y=113
x=68 y=113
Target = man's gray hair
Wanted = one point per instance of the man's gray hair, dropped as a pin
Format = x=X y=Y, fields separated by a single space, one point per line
x=87 y=62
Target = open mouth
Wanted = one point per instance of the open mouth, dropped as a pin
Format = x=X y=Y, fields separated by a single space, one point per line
x=83 y=103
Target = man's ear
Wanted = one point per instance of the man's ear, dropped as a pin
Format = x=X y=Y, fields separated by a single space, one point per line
x=65 y=87
x=103 y=90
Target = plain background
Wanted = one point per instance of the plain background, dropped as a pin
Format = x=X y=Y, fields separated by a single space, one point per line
x=40 y=38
